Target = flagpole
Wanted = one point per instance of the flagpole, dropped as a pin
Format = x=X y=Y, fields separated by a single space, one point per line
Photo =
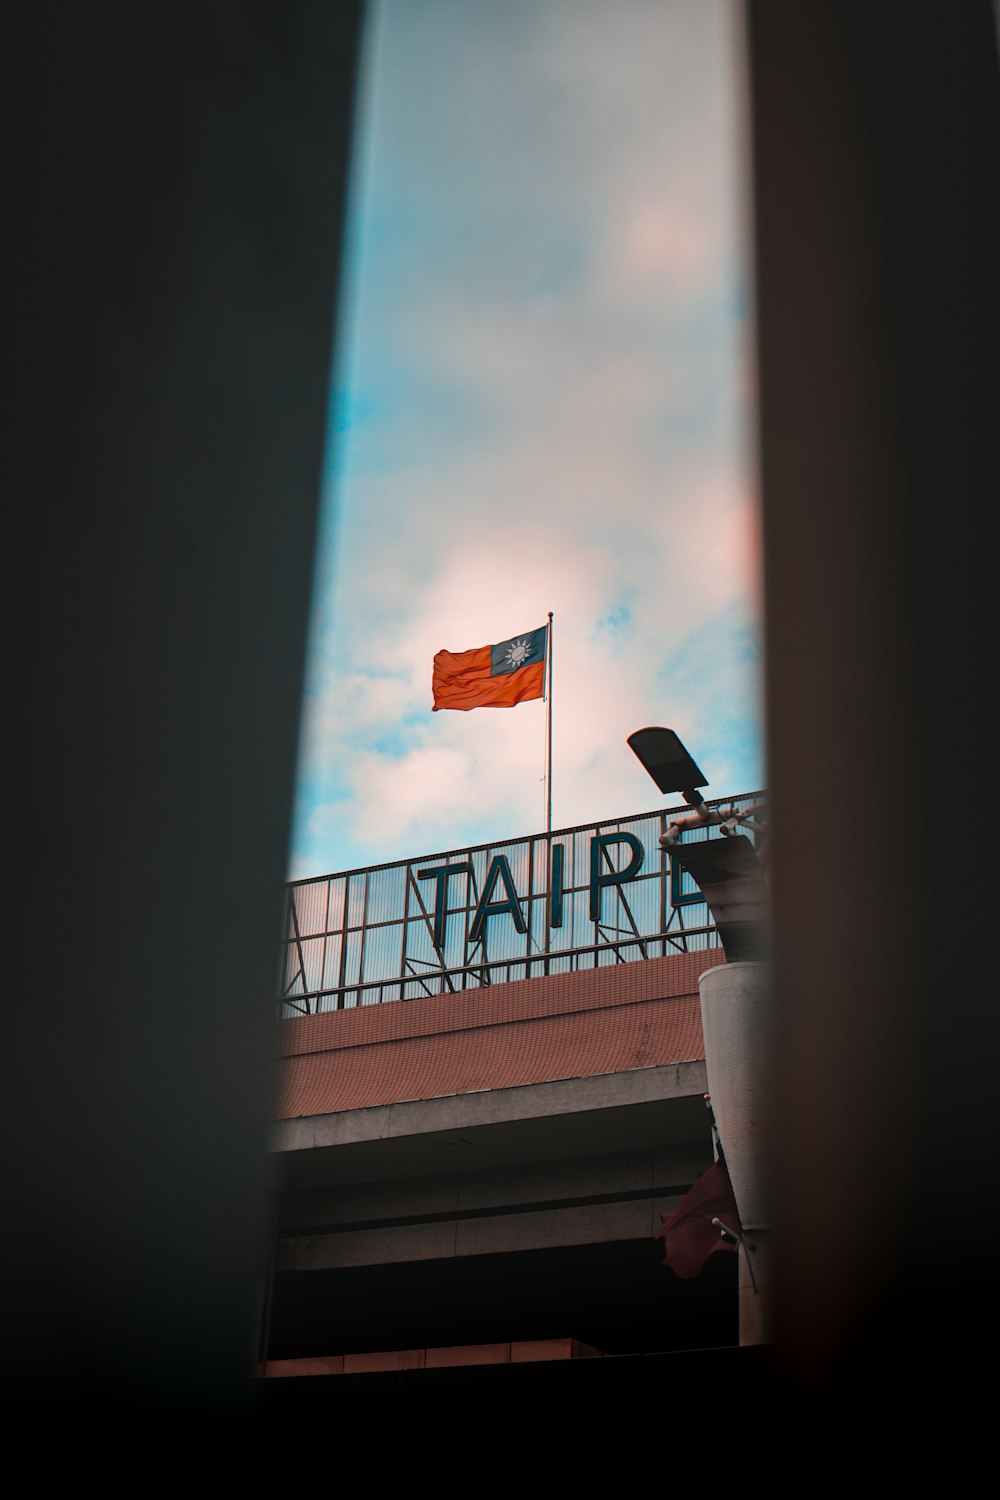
x=548 y=774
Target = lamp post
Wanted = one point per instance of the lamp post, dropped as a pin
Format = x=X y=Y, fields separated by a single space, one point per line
x=734 y=996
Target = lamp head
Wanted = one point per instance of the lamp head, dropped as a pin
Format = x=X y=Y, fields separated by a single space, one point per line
x=662 y=755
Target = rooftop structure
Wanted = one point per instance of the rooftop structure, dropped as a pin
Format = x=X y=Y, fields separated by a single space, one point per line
x=586 y=897
x=491 y=1088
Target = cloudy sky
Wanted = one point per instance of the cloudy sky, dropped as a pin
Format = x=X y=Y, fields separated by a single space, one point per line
x=541 y=401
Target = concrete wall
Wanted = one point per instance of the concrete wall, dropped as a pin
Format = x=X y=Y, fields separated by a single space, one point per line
x=532 y=1205
x=616 y=1019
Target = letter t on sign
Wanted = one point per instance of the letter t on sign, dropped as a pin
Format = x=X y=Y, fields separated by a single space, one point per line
x=441 y=874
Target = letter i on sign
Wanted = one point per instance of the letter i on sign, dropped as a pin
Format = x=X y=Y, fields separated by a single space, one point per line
x=556 y=886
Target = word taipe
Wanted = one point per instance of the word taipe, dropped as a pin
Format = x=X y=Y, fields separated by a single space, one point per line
x=499 y=894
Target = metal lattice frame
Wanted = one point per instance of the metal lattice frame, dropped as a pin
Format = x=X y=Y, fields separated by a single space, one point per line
x=367 y=936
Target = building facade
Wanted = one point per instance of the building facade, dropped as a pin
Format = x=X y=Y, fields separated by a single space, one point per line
x=491 y=1087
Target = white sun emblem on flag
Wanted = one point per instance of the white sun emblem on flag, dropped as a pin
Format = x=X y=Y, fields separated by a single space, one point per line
x=517 y=652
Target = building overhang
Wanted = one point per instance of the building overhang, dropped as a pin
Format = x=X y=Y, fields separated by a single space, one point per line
x=612 y=1112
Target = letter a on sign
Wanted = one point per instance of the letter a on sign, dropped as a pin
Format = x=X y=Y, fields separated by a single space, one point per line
x=499 y=871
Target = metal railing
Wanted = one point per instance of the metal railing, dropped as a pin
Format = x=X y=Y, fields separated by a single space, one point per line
x=585 y=897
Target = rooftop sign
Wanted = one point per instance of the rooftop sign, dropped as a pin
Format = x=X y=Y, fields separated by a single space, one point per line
x=584 y=897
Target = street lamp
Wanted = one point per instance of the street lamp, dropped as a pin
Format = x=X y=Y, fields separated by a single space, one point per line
x=734 y=996
x=730 y=874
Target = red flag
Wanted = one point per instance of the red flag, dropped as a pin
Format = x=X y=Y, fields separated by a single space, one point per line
x=688 y=1234
x=498 y=676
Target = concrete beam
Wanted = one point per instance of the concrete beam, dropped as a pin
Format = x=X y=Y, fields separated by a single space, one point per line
x=571 y=1096
x=581 y=1224
x=339 y=1205
x=534 y=1205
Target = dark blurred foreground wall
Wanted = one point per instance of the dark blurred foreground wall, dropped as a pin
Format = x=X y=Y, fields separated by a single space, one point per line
x=182 y=184
x=876 y=164
x=178 y=188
